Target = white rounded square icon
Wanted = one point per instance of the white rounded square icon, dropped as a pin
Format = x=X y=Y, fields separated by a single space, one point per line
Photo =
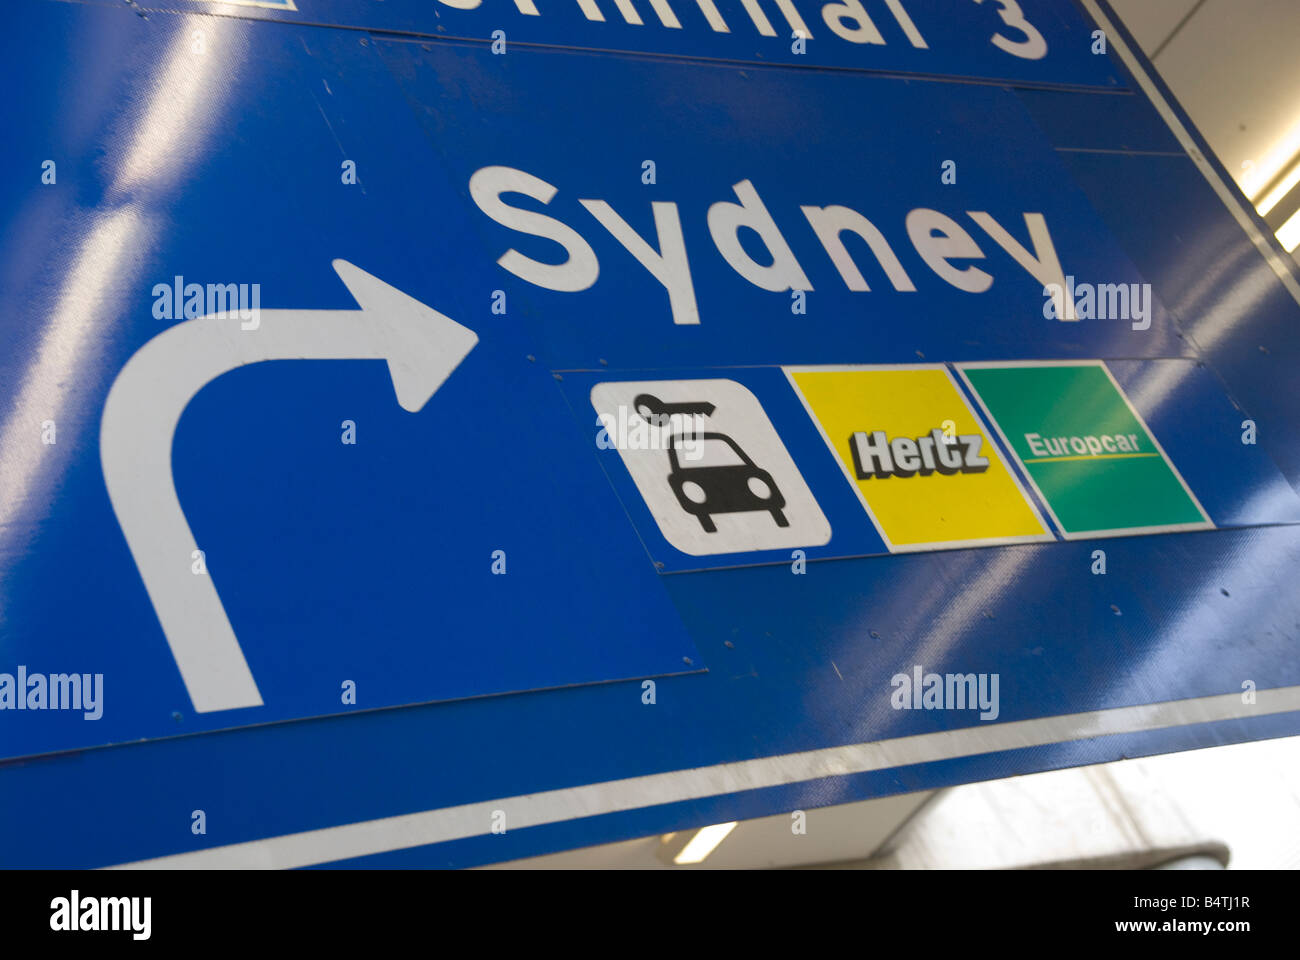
x=709 y=465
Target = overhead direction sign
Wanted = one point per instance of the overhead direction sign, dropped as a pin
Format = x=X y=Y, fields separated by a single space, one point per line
x=480 y=598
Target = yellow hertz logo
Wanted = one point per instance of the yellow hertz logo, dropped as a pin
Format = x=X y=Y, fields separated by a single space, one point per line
x=924 y=489
x=875 y=456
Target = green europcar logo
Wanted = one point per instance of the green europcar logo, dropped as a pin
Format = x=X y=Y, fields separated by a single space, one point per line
x=1084 y=448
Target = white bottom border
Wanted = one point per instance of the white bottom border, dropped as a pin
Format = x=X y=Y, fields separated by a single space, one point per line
x=367 y=837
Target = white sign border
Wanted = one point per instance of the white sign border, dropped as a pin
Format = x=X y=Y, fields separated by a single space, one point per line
x=406 y=831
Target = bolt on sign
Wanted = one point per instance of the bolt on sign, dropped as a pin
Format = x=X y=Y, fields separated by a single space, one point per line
x=1089 y=455
x=923 y=466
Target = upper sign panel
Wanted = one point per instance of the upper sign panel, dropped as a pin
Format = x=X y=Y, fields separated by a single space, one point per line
x=660 y=213
x=1027 y=41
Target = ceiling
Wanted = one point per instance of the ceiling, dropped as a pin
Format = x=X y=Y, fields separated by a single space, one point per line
x=1232 y=66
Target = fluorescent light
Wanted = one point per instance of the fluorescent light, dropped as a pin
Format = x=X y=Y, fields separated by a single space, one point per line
x=704 y=842
x=1274 y=161
x=1289 y=233
x=1281 y=190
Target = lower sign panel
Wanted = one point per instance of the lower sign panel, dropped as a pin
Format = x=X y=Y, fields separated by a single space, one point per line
x=741 y=466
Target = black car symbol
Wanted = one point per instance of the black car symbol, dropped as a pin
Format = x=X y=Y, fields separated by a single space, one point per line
x=737 y=487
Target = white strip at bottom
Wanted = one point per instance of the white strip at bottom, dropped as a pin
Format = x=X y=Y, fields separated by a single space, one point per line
x=313 y=847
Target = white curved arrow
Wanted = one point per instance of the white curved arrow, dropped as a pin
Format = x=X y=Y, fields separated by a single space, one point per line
x=145 y=404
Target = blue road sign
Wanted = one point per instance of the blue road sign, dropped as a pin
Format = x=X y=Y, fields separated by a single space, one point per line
x=351 y=381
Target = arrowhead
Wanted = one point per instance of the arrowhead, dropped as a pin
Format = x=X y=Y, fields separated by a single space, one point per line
x=422 y=346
